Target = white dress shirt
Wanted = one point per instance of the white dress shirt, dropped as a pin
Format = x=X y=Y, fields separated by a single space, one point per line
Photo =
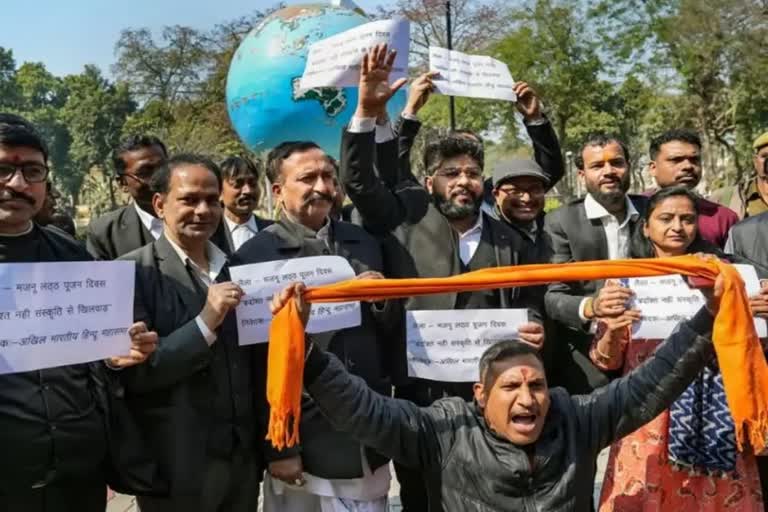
x=216 y=261
x=384 y=132
x=152 y=223
x=617 y=235
x=241 y=233
x=470 y=239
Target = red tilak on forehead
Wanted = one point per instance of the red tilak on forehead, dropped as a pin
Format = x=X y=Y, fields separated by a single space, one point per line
x=525 y=374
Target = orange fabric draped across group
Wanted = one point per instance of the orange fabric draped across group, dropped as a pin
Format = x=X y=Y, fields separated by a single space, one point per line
x=739 y=354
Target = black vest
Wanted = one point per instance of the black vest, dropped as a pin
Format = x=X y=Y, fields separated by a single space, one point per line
x=484 y=257
x=232 y=407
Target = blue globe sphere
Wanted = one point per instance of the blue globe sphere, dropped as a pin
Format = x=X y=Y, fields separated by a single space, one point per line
x=263 y=101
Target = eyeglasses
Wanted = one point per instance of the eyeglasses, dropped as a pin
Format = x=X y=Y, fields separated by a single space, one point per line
x=520 y=192
x=472 y=173
x=32 y=173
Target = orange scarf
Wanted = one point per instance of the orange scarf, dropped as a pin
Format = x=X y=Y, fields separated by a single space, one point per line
x=741 y=359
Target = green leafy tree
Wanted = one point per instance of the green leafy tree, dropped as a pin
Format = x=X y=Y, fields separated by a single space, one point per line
x=94 y=113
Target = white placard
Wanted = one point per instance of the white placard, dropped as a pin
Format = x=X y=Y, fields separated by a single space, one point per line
x=471 y=76
x=446 y=345
x=260 y=281
x=335 y=61
x=56 y=314
x=665 y=301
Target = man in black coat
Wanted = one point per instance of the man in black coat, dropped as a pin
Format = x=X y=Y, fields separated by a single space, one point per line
x=436 y=231
x=239 y=196
x=303 y=182
x=52 y=424
x=520 y=445
x=199 y=399
x=598 y=226
x=135 y=225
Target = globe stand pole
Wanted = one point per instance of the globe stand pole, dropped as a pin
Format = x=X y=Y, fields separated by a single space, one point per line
x=451 y=99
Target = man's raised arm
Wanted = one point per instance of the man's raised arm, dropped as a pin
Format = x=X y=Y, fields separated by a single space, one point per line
x=383 y=208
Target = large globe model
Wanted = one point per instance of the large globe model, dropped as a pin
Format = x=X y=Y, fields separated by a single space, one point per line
x=263 y=102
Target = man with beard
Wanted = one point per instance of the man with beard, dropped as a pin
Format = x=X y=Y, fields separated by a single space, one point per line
x=434 y=232
x=598 y=226
x=676 y=160
x=135 y=225
x=329 y=471
x=52 y=425
x=240 y=196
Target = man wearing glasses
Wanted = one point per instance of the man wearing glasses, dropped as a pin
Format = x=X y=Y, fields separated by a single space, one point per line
x=434 y=232
x=52 y=428
x=135 y=225
x=519 y=189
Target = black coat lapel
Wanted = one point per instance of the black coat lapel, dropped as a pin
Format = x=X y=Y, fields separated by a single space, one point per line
x=171 y=267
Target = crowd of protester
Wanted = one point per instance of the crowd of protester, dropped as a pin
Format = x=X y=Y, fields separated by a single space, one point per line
x=180 y=422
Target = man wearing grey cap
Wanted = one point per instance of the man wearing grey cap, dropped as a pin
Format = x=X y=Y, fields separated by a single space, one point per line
x=519 y=188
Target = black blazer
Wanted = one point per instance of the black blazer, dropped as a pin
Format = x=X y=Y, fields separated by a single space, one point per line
x=362 y=349
x=117 y=233
x=222 y=238
x=177 y=396
x=574 y=237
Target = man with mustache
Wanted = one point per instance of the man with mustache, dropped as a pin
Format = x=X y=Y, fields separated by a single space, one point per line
x=135 y=225
x=330 y=471
x=52 y=423
x=197 y=400
x=240 y=196
x=437 y=231
x=676 y=160
x=598 y=226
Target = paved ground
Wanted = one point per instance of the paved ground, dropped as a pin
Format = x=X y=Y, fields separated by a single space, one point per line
x=121 y=503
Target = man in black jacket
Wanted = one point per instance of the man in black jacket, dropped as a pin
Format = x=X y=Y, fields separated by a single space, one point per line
x=520 y=445
x=52 y=426
x=199 y=400
x=434 y=232
x=135 y=225
x=598 y=226
x=239 y=196
x=329 y=467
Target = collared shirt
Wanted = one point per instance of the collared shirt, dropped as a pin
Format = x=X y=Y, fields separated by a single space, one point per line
x=153 y=224
x=241 y=233
x=216 y=261
x=616 y=234
x=470 y=239
x=384 y=132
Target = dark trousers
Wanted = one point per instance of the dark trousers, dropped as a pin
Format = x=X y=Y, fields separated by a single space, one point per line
x=762 y=468
x=58 y=497
x=419 y=491
x=229 y=485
